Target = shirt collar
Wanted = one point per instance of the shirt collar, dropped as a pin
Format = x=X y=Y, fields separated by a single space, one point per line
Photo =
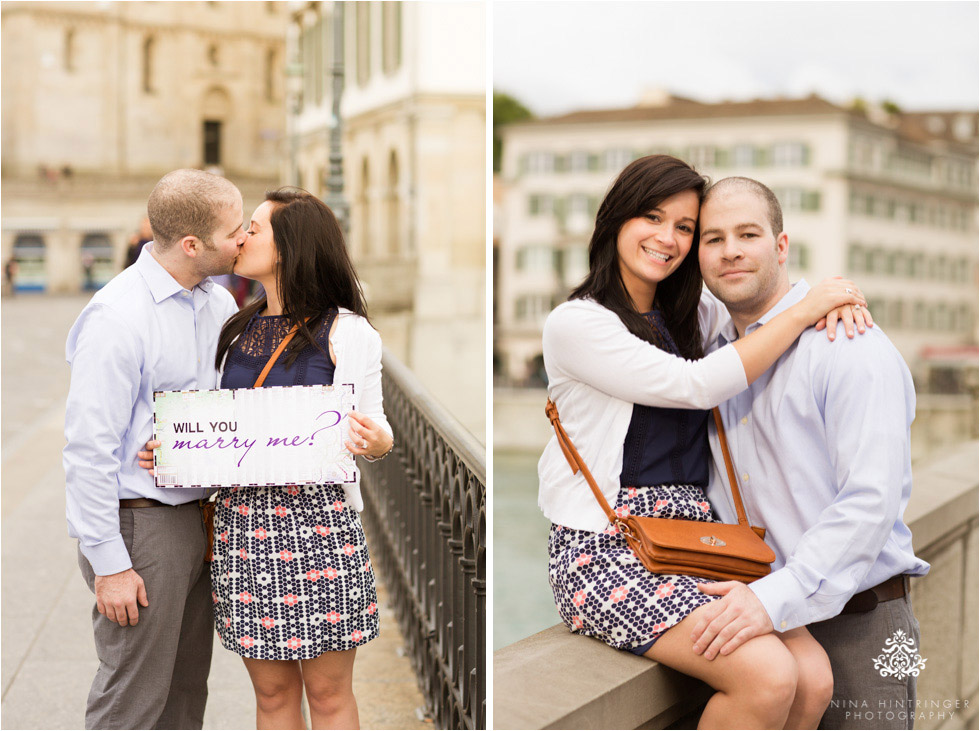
x=161 y=282
x=796 y=293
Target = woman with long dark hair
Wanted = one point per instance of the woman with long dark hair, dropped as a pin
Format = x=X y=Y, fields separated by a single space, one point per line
x=627 y=372
x=292 y=583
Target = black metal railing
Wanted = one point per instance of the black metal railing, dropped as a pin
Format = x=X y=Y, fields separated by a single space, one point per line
x=425 y=513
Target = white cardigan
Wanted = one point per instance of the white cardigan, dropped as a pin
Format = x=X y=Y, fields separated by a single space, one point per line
x=357 y=348
x=597 y=370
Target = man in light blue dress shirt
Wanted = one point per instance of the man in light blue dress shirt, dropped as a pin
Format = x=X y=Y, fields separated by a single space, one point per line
x=154 y=327
x=821 y=445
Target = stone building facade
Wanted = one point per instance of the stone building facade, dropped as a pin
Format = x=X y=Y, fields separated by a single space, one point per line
x=100 y=99
x=413 y=114
x=887 y=199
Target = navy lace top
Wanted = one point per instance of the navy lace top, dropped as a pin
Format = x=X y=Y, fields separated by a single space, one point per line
x=665 y=446
x=249 y=354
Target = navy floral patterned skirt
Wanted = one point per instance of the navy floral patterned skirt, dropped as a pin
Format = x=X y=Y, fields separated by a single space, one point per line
x=602 y=590
x=291 y=577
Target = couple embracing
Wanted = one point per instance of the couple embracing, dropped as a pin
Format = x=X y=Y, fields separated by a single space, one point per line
x=163 y=325
x=818 y=427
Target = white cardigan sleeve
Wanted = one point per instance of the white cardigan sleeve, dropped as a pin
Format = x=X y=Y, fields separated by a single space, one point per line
x=371 y=402
x=586 y=342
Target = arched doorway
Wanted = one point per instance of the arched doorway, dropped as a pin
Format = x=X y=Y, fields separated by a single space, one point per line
x=30 y=253
x=96 y=261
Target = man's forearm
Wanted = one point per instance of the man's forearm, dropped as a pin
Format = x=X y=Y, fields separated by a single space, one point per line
x=93 y=518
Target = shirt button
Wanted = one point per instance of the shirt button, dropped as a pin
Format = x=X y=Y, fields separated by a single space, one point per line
x=745 y=475
x=745 y=420
x=782 y=625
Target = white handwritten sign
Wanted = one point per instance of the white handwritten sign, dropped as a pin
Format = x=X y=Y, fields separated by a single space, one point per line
x=281 y=435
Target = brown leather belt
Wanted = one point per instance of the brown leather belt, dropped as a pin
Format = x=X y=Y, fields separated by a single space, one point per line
x=146 y=502
x=894 y=588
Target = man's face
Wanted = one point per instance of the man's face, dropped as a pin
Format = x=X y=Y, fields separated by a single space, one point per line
x=218 y=256
x=739 y=256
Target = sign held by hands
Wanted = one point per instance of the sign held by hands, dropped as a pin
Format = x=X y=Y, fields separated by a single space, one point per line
x=281 y=435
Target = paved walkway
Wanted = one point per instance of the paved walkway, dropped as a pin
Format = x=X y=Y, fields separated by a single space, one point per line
x=48 y=658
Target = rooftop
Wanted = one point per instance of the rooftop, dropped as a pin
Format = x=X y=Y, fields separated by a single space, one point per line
x=957 y=127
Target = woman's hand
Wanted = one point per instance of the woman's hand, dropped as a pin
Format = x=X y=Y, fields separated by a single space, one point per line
x=828 y=296
x=145 y=456
x=850 y=315
x=367 y=438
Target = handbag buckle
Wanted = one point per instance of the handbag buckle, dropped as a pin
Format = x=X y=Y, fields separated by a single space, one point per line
x=712 y=541
x=624 y=529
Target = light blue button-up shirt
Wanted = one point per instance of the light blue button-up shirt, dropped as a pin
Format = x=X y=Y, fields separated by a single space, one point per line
x=821 y=446
x=142 y=332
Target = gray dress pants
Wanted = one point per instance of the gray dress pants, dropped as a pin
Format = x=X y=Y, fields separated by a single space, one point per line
x=863 y=697
x=155 y=675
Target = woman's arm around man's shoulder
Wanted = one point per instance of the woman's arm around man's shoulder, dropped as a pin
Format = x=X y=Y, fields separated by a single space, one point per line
x=586 y=342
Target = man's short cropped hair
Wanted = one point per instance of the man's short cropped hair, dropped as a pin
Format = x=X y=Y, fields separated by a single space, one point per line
x=188 y=203
x=739 y=184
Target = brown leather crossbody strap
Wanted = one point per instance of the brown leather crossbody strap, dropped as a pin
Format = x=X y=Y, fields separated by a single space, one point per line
x=575 y=459
x=730 y=467
x=274 y=357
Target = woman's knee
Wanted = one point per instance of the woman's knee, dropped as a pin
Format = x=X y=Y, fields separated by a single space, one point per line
x=815 y=685
x=276 y=691
x=328 y=698
x=329 y=691
x=767 y=671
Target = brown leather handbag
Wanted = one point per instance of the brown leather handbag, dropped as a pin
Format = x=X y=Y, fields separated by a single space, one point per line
x=673 y=546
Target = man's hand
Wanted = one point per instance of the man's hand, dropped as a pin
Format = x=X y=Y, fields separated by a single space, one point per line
x=726 y=624
x=116 y=596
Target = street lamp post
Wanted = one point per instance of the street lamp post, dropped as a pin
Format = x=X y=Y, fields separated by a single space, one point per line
x=294 y=95
x=335 y=179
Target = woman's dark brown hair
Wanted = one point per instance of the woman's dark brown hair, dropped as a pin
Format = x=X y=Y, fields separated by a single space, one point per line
x=640 y=187
x=315 y=273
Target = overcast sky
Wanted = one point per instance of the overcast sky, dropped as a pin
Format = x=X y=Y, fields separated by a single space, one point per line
x=561 y=56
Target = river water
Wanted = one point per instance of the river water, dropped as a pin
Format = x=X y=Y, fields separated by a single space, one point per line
x=522 y=601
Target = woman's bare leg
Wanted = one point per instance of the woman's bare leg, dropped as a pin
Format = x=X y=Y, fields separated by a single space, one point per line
x=815 y=681
x=755 y=684
x=278 y=686
x=330 y=690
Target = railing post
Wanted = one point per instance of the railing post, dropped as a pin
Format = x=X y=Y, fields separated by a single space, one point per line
x=425 y=513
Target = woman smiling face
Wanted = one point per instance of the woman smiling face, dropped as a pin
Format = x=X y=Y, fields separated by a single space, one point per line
x=258 y=256
x=651 y=247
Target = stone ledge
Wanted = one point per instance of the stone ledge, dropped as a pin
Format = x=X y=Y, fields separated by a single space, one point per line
x=944 y=495
x=555 y=679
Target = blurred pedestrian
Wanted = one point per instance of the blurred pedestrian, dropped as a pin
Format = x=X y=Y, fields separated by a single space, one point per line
x=88 y=264
x=10 y=270
x=247 y=290
x=137 y=241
